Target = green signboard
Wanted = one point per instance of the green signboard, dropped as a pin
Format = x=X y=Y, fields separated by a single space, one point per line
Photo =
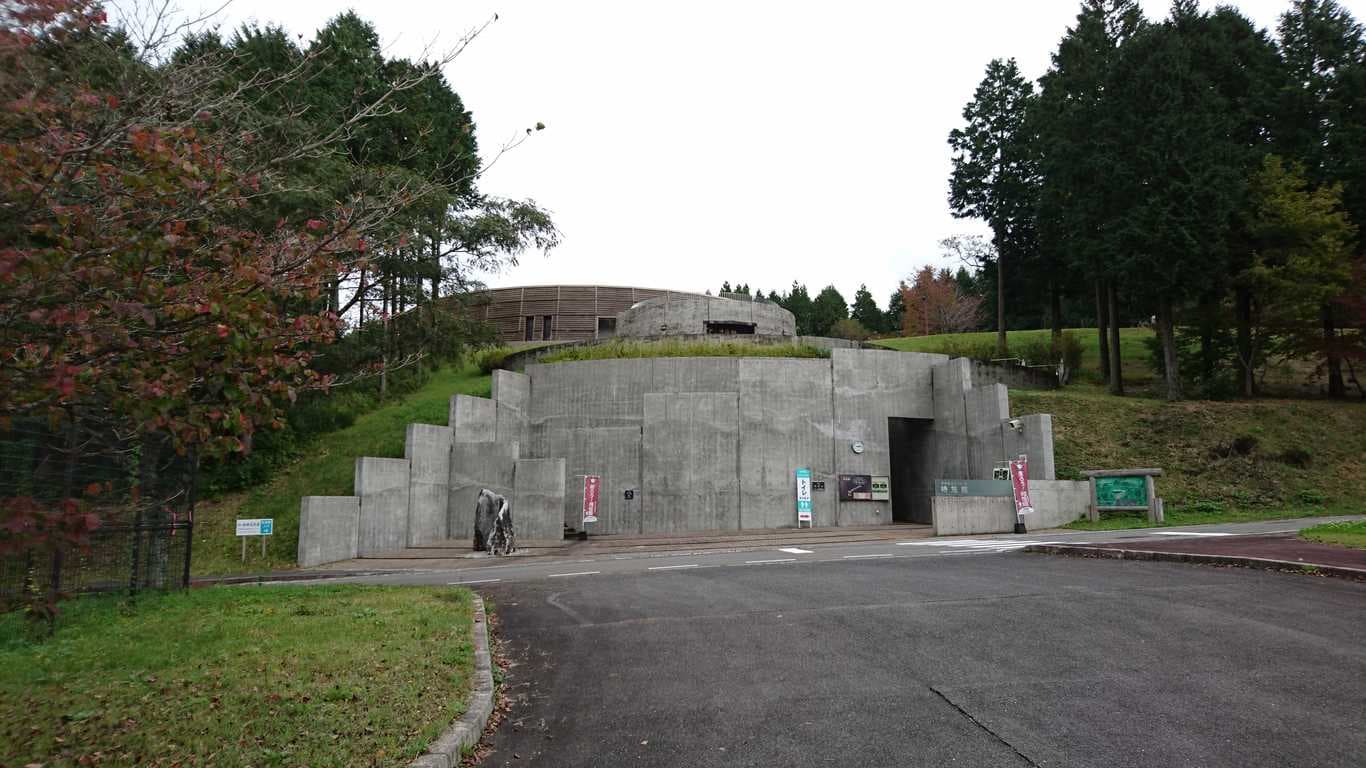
x=1121 y=492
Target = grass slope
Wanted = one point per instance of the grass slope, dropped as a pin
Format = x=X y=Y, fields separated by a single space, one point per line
x=338 y=675
x=621 y=348
x=326 y=470
x=1343 y=534
x=1137 y=361
x=1223 y=461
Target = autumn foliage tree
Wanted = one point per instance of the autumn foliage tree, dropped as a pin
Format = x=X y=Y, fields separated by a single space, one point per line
x=935 y=303
x=149 y=319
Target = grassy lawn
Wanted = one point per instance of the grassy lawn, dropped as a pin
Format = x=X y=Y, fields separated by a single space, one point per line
x=1351 y=534
x=1138 y=371
x=1224 y=461
x=238 y=676
x=327 y=470
x=614 y=350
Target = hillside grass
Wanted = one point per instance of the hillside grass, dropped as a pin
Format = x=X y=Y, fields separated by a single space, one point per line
x=1346 y=534
x=621 y=348
x=1135 y=357
x=1222 y=461
x=237 y=676
x=327 y=469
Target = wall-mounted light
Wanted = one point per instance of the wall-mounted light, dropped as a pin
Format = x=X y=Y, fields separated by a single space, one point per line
x=1016 y=425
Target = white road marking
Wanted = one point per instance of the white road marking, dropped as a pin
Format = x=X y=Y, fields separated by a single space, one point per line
x=779 y=560
x=1189 y=533
x=671 y=567
x=862 y=557
x=476 y=581
x=795 y=550
x=982 y=545
x=576 y=573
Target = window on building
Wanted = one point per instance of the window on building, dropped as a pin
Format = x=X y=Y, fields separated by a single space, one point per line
x=729 y=329
x=607 y=327
x=547 y=327
x=530 y=328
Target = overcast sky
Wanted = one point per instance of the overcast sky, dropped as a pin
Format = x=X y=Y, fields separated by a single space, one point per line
x=694 y=142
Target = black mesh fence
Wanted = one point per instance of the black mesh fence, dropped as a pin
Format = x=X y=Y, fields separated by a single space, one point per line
x=120 y=556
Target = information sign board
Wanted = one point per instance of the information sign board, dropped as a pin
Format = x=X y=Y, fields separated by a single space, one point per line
x=1123 y=491
x=803 y=496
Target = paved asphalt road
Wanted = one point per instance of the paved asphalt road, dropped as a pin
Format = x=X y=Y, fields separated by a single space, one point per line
x=994 y=659
x=485 y=571
x=929 y=652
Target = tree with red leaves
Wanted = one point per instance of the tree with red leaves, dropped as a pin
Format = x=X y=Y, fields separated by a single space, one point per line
x=935 y=303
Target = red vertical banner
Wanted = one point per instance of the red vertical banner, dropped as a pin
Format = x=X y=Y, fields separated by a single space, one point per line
x=592 y=487
x=1019 y=481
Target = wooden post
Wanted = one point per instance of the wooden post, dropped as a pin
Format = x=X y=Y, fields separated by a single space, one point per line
x=1151 y=488
x=1093 y=509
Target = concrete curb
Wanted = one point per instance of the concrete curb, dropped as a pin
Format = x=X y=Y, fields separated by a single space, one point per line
x=446 y=751
x=1264 y=563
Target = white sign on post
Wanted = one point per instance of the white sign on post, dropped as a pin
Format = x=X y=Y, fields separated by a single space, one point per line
x=261 y=526
x=264 y=526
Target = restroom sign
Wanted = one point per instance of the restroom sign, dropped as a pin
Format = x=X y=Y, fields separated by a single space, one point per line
x=803 y=496
x=592 y=487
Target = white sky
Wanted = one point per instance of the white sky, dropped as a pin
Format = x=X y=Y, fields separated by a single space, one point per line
x=694 y=142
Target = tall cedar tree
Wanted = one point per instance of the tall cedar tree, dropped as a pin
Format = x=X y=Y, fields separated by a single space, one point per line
x=865 y=311
x=1182 y=179
x=995 y=174
x=1322 y=125
x=1074 y=129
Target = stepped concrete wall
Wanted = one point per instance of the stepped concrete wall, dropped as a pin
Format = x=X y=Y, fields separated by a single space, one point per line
x=707 y=443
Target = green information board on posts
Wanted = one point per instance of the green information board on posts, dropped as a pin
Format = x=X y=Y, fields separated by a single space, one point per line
x=1121 y=492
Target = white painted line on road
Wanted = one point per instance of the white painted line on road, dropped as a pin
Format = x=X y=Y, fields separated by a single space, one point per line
x=795 y=550
x=779 y=560
x=576 y=573
x=862 y=557
x=1189 y=533
x=476 y=581
x=671 y=567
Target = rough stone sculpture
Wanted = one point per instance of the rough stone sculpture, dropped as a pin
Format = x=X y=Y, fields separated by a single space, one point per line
x=493 y=531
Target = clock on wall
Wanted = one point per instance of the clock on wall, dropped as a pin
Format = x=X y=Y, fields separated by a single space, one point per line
x=856 y=446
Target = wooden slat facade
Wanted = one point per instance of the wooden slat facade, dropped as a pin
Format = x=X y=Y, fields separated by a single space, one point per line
x=574 y=309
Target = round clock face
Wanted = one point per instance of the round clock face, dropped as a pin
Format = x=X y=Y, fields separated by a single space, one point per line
x=856 y=446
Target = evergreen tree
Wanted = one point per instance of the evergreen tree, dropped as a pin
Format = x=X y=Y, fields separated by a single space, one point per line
x=865 y=311
x=1076 y=143
x=1183 y=176
x=995 y=176
x=896 y=310
x=798 y=302
x=828 y=308
x=1322 y=123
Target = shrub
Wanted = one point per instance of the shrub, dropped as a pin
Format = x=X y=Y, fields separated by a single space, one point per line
x=1204 y=507
x=492 y=359
x=850 y=329
x=1312 y=497
x=622 y=348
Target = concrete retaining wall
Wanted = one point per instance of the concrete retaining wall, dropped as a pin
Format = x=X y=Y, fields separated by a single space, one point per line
x=329 y=529
x=705 y=443
x=473 y=419
x=473 y=467
x=690 y=461
x=428 y=450
x=382 y=485
x=538 y=501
